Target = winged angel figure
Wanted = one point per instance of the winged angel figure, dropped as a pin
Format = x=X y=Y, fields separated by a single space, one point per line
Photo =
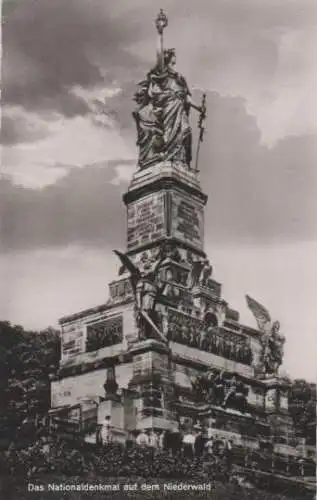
x=145 y=286
x=272 y=341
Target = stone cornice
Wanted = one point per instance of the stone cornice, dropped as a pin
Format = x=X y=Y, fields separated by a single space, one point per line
x=156 y=243
x=91 y=365
x=164 y=183
x=152 y=344
x=146 y=345
x=253 y=332
x=276 y=382
x=94 y=310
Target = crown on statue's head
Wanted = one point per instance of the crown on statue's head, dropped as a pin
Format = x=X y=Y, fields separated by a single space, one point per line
x=168 y=54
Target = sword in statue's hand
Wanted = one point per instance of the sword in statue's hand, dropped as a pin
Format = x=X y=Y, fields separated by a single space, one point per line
x=201 y=120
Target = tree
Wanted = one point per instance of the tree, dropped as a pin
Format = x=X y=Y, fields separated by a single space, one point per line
x=302 y=407
x=27 y=358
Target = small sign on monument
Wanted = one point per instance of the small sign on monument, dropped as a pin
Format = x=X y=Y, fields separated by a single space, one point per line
x=187 y=221
x=146 y=220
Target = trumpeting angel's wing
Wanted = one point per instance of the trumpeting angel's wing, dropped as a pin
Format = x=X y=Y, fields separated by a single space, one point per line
x=128 y=264
x=260 y=313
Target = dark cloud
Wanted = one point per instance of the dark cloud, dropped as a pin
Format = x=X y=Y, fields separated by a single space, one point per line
x=49 y=47
x=16 y=128
x=84 y=207
x=256 y=194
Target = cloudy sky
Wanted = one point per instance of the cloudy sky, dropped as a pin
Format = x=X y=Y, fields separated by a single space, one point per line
x=69 y=72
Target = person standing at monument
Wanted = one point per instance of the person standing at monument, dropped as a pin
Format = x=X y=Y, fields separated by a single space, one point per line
x=142 y=439
x=106 y=430
x=188 y=444
x=152 y=439
x=162 y=440
x=227 y=454
x=199 y=441
x=209 y=447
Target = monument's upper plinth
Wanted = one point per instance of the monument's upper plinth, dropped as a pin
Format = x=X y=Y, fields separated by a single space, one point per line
x=162 y=114
x=164 y=174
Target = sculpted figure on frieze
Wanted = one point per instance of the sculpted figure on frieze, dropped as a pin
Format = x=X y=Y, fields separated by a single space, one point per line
x=217 y=387
x=200 y=273
x=192 y=332
x=210 y=386
x=236 y=395
x=211 y=319
x=221 y=389
x=171 y=252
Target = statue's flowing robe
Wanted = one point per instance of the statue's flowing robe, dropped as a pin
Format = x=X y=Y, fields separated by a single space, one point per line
x=273 y=352
x=162 y=118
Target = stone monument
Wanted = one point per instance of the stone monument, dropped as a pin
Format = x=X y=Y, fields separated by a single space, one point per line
x=176 y=349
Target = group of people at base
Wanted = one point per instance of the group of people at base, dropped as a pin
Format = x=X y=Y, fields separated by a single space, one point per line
x=191 y=443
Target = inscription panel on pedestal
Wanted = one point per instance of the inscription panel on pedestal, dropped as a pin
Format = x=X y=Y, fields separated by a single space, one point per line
x=160 y=363
x=72 y=340
x=142 y=363
x=187 y=220
x=270 y=399
x=146 y=220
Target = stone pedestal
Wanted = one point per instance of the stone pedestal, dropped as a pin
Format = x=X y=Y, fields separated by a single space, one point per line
x=128 y=401
x=153 y=385
x=276 y=394
x=113 y=409
x=165 y=201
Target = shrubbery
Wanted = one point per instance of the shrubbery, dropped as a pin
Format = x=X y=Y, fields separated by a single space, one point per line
x=66 y=460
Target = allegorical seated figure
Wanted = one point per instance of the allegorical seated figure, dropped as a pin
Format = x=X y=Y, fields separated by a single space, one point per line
x=221 y=389
x=218 y=388
x=200 y=273
x=210 y=386
x=236 y=396
x=206 y=273
x=162 y=115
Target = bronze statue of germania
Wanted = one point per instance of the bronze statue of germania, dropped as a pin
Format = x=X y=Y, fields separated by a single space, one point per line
x=162 y=114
